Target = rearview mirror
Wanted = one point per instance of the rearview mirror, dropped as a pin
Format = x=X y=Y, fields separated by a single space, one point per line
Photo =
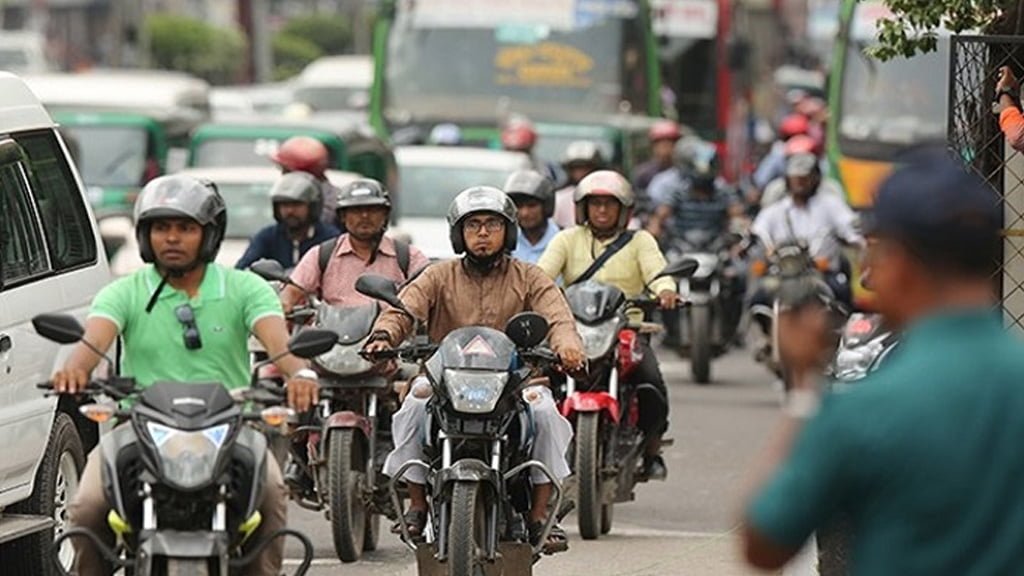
x=60 y=328
x=683 y=268
x=380 y=288
x=527 y=329
x=312 y=343
x=269 y=270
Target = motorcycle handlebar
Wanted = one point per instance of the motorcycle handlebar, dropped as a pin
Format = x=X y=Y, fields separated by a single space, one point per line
x=116 y=387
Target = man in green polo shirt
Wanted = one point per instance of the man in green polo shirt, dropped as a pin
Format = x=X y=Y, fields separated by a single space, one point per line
x=183 y=318
x=923 y=456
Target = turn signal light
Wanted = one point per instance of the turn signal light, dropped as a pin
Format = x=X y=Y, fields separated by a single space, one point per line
x=821 y=264
x=98 y=413
x=276 y=415
x=758 y=268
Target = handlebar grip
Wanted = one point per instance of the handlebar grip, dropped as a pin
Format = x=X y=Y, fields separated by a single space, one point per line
x=48 y=385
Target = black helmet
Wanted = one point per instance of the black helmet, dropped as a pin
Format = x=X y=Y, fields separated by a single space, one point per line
x=179 y=196
x=363 y=192
x=298 y=187
x=532 y=184
x=482 y=199
x=582 y=152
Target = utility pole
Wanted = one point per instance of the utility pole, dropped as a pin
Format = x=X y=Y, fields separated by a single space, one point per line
x=252 y=18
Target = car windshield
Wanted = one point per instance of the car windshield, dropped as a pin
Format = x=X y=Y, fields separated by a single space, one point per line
x=249 y=208
x=13 y=59
x=110 y=155
x=473 y=348
x=332 y=98
x=428 y=190
x=235 y=152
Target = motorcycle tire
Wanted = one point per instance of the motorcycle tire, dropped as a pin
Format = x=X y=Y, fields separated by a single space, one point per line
x=54 y=489
x=345 y=480
x=187 y=567
x=465 y=530
x=588 y=474
x=700 y=344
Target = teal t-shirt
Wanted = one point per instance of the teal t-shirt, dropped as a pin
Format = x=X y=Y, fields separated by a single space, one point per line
x=926 y=457
x=228 y=305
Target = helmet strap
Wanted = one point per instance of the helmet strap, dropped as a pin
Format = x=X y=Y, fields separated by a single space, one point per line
x=156 y=293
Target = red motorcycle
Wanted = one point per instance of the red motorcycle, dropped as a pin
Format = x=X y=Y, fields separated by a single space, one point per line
x=603 y=406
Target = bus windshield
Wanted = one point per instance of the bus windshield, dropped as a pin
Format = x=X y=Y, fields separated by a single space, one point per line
x=547 y=59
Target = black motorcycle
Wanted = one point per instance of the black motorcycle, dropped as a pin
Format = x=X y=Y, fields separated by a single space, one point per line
x=478 y=445
x=189 y=470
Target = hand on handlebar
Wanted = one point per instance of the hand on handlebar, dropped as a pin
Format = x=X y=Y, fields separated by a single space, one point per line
x=668 y=300
x=573 y=361
x=386 y=366
x=70 y=381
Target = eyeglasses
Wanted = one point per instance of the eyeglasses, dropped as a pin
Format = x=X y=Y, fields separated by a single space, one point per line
x=187 y=316
x=492 y=225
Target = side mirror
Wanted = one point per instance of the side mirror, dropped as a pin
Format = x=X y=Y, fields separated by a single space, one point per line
x=269 y=270
x=527 y=329
x=60 y=328
x=312 y=343
x=380 y=288
x=683 y=268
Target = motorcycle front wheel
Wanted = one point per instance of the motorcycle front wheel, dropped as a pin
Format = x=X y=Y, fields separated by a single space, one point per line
x=465 y=532
x=588 y=474
x=345 y=480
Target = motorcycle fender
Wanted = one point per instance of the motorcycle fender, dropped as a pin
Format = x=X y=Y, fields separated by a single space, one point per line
x=110 y=446
x=591 y=402
x=349 y=419
x=700 y=298
x=468 y=470
x=256 y=444
x=191 y=545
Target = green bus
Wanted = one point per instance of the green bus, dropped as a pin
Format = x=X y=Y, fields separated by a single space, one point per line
x=476 y=63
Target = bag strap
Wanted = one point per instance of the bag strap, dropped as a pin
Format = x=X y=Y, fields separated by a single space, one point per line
x=610 y=251
x=326 y=249
x=402 y=254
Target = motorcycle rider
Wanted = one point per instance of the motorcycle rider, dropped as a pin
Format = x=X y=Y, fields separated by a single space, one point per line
x=773 y=165
x=296 y=200
x=307 y=154
x=662 y=136
x=180 y=226
x=534 y=196
x=581 y=158
x=486 y=287
x=519 y=135
x=365 y=207
x=604 y=205
x=778 y=189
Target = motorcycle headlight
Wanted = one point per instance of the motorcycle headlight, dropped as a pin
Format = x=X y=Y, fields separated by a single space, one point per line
x=597 y=339
x=188 y=459
x=474 y=392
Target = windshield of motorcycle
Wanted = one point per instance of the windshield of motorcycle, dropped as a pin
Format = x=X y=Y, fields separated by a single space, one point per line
x=592 y=302
x=352 y=325
x=472 y=348
x=699 y=239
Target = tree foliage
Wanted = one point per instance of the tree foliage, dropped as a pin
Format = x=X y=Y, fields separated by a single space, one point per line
x=193 y=46
x=291 y=54
x=915 y=23
x=330 y=33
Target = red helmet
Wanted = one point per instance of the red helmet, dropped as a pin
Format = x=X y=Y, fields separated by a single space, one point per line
x=302 y=154
x=664 y=130
x=792 y=125
x=801 y=144
x=519 y=136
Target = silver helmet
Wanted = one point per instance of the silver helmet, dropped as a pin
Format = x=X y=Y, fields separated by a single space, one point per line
x=298 y=187
x=179 y=196
x=482 y=199
x=532 y=184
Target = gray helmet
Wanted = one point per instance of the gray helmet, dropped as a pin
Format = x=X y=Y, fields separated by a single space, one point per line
x=179 y=196
x=584 y=152
x=481 y=199
x=298 y=187
x=689 y=150
x=532 y=184
x=363 y=192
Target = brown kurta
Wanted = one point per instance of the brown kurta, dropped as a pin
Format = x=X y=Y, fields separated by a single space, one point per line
x=447 y=296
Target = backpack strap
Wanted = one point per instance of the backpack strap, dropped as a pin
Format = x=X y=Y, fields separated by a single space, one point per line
x=402 y=254
x=610 y=251
x=326 y=249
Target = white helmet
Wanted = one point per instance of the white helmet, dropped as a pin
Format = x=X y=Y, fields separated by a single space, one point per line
x=605 y=183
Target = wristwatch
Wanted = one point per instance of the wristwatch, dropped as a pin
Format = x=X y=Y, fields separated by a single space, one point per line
x=306 y=374
x=1006 y=92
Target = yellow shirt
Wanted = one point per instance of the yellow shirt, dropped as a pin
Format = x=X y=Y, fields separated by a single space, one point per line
x=573 y=250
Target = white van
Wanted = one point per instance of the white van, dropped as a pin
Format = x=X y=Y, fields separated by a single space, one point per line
x=335 y=83
x=51 y=260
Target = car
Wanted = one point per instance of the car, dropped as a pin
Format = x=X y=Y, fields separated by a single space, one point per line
x=333 y=83
x=23 y=51
x=431 y=177
x=246 y=191
x=51 y=261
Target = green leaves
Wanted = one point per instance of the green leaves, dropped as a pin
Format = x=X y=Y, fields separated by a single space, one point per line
x=915 y=24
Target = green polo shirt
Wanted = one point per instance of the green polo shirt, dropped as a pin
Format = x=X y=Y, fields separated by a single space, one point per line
x=228 y=305
x=926 y=456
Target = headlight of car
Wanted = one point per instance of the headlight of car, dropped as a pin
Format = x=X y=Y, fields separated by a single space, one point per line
x=598 y=339
x=188 y=459
x=474 y=391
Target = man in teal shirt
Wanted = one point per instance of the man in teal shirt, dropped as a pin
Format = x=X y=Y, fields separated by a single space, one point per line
x=183 y=318
x=923 y=456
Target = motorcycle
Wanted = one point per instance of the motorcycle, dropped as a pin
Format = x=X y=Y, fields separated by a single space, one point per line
x=708 y=324
x=186 y=471
x=478 y=445
x=349 y=435
x=603 y=409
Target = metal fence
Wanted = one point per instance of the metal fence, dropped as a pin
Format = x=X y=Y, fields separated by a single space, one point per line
x=974 y=136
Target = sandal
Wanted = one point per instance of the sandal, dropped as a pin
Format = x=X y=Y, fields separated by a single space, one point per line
x=416 y=520
x=557 y=541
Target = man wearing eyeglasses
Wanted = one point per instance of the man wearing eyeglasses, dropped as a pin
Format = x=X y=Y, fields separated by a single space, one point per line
x=484 y=288
x=187 y=319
